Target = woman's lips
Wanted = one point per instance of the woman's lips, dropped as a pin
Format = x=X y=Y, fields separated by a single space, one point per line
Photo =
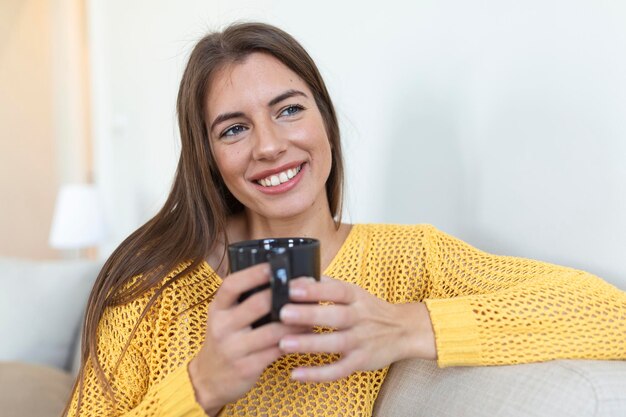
x=282 y=186
x=279 y=177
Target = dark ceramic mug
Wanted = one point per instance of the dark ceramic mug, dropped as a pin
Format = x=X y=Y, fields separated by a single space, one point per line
x=290 y=257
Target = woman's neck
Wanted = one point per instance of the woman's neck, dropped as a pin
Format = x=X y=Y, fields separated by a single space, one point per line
x=314 y=222
x=317 y=228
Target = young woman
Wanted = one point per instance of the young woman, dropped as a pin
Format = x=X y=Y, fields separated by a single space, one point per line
x=261 y=157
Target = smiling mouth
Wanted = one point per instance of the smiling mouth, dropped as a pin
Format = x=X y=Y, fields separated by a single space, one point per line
x=279 y=178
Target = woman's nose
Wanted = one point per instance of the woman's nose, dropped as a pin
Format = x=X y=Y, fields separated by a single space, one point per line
x=268 y=143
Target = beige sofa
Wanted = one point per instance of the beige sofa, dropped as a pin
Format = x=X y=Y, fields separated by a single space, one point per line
x=41 y=307
x=36 y=373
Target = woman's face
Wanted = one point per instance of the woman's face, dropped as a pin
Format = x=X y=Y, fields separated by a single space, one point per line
x=268 y=138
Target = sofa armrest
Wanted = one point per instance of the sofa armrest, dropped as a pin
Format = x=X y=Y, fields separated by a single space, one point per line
x=563 y=388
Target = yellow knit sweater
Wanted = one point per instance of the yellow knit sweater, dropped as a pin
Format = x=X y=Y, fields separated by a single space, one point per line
x=485 y=309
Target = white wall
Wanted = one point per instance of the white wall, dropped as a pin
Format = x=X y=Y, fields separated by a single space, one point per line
x=500 y=122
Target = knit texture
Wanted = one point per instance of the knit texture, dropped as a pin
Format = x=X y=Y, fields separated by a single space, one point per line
x=485 y=309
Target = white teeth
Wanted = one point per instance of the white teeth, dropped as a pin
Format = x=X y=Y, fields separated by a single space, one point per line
x=279 y=178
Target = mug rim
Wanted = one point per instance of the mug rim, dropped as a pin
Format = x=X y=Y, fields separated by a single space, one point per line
x=273 y=243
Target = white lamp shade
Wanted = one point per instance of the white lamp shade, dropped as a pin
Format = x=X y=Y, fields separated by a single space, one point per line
x=78 y=221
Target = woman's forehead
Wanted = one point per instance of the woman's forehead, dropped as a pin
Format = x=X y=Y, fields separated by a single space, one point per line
x=253 y=81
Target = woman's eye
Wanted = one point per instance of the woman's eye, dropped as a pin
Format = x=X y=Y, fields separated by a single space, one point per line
x=233 y=131
x=291 y=110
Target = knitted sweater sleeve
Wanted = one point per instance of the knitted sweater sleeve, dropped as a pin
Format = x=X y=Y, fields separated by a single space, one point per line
x=141 y=384
x=496 y=310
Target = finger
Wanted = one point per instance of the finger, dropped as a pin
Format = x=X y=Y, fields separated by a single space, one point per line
x=248 y=311
x=242 y=316
x=337 y=316
x=253 y=365
x=329 y=290
x=337 y=370
x=305 y=280
x=269 y=335
x=335 y=342
x=239 y=282
x=264 y=337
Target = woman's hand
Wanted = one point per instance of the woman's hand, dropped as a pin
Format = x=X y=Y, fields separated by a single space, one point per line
x=234 y=354
x=370 y=333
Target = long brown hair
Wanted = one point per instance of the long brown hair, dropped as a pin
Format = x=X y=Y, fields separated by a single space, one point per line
x=193 y=219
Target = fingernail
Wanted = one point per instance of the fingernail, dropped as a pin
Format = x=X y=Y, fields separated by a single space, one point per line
x=288 y=344
x=287 y=313
x=297 y=292
x=297 y=374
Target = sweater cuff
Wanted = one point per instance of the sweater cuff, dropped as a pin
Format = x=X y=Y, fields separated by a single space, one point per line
x=456 y=332
x=177 y=395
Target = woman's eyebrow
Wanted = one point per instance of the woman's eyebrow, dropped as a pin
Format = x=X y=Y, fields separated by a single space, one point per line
x=223 y=117
x=287 y=94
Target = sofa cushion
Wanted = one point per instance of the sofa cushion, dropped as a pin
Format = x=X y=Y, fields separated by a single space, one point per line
x=573 y=388
x=41 y=305
x=28 y=390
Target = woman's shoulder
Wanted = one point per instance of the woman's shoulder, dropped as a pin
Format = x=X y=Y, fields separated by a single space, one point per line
x=396 y=229
x=183 y=286
x=385 y=237
x=186 y=280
